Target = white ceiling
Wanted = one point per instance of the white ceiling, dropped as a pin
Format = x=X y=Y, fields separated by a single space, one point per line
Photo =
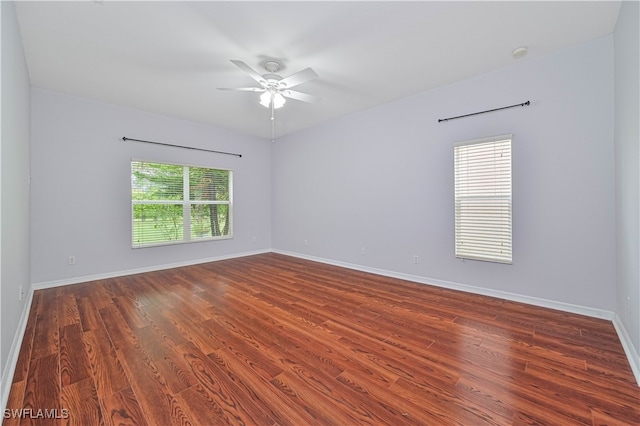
x=169 y=57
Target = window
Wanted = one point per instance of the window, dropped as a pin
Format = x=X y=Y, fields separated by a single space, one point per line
x=483 y=199
x=173 y=203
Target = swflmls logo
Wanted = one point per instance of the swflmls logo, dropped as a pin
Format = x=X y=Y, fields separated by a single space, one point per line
x=30 y=413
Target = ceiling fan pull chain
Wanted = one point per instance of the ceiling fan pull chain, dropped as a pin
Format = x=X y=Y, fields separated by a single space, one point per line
x=273 y=124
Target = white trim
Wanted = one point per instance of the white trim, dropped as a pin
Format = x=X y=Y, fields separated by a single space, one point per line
x=506 y=136
x=87 y=278
x=627 y=345
x=203 y=166
x=12 y=360
x=545 y=303
x=178 y=242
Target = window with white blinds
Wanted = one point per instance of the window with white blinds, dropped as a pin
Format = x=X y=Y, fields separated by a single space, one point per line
x=483 y=199
x=175 y=203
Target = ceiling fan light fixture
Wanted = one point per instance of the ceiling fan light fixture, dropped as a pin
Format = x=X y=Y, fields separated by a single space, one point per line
x=265 y=99
x=278 y=100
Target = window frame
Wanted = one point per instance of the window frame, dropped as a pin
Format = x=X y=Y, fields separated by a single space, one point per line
x=477 y=253
x=186 y=204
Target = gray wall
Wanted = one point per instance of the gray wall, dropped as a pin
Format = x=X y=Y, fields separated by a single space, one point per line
x=14 y=180
x=81 y=203
x=627 y=143
x=382 y=179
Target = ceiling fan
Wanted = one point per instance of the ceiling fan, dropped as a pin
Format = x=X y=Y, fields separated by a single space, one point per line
x=274 y=88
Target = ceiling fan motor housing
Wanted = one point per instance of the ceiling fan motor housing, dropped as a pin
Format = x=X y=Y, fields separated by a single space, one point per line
x=271 y=77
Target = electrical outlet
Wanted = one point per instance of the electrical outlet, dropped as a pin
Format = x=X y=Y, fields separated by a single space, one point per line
x=20 y=293
x=254 y=239
x=72 y=260
x=363 y=250
x=306 y=242
x=416 y=259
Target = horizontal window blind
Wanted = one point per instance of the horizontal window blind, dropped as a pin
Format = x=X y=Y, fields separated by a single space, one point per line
x=209 y=197
x=174 y=203
x=483 y=228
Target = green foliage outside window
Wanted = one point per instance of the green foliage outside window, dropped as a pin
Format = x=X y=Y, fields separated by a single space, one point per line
x=162 y=213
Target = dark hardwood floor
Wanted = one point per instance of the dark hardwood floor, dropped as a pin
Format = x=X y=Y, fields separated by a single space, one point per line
x=275 y=340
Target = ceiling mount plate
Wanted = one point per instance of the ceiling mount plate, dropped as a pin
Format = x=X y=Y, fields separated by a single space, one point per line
x=272 y=66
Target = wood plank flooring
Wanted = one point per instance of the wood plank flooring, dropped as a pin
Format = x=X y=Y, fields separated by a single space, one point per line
x=276 y=340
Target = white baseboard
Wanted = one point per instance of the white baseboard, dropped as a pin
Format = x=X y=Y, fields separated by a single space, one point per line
x=627 y=345
x=551 y=304
x=87 y=278
x=14 y=352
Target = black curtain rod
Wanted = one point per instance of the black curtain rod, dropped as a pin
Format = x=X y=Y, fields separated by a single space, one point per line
x=124 y=138
x=482 y=112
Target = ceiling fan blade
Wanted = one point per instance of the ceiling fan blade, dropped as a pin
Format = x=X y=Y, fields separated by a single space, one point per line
x=250 y=71
x=298 y=78
x=243 y=89
x=299 y=96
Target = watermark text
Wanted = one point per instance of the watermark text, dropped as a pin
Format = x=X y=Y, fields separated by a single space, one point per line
x=32 y=413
